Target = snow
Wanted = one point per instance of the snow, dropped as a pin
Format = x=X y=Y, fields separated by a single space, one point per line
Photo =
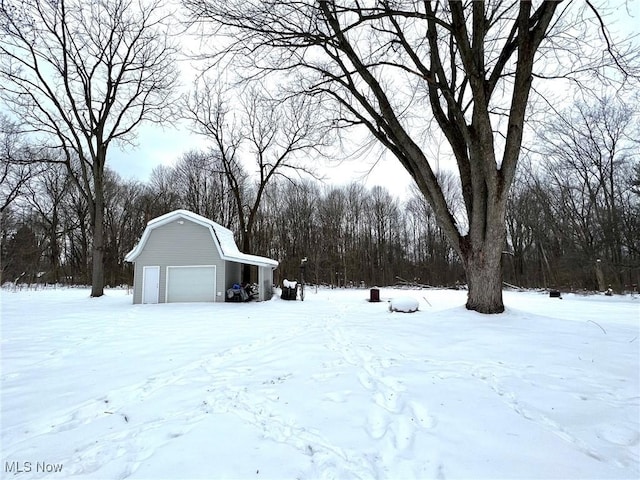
x=289 y=284
x=334 y=387
x=403 y=304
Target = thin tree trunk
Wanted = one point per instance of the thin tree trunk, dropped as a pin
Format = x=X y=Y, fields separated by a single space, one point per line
x=97 y=275
x=54 y=256
x=600 y=276
x=246 y=248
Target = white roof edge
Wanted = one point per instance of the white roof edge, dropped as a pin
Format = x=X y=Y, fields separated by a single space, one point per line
x=252 y=260
x=211 y=225
x=168 y=217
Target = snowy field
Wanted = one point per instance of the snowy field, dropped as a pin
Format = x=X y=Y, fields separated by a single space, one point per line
x=333 y=387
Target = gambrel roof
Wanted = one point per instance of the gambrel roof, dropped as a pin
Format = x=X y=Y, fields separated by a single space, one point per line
x=222 y=238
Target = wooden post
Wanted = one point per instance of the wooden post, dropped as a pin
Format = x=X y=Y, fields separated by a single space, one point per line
x=600 y=276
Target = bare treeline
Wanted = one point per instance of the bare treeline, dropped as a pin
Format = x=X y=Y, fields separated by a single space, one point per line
x=574 y=212
x=81 y=77
x=574 y=202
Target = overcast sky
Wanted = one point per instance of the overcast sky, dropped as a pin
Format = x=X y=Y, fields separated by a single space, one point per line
x=164 y=145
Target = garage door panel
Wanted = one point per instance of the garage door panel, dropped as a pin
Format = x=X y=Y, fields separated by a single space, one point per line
x=191 y=284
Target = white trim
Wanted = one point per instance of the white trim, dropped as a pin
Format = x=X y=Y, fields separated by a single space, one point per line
x=215 y=279
x=213 y=228
x=144 y=274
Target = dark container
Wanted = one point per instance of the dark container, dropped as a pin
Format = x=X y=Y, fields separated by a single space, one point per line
x=374 y=295
x=288 y=293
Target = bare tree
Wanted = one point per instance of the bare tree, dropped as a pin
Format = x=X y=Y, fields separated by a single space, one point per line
x=332 y=209
x=394 y=66
x=161 y=194
x=16 y=169
x=635 y=180
x=85 y=75
x=274 y=133
x=46 y=195
x=77 y=238
x=587 y=154
x=24 y=253
x=287 y=224
x=200 y=177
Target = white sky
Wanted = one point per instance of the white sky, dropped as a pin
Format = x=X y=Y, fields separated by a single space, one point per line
x=164 y=145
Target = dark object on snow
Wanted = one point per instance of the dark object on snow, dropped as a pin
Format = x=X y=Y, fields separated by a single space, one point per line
x=374 y=295
x=252 y=290
x=555 y=294
x=237 y=294
x=288 y=293
x=608 y=292
x=289 y=290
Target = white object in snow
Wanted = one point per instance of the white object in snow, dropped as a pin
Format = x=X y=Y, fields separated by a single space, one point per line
x=403 y=304
x=286 y=283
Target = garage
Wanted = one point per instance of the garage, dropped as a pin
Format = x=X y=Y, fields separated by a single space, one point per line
x=193 y=283
x=184 y=257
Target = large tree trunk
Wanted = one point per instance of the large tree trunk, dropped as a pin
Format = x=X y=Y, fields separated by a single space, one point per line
x=481 y=253
x=483 y=268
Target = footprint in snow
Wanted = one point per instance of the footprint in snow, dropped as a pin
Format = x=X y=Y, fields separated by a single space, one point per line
x=421 y=416
x=404 y=433
x=387 y=400
x=377 y=423
x=366 y=381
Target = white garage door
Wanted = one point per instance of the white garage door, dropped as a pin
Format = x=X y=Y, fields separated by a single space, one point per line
x=191 y=284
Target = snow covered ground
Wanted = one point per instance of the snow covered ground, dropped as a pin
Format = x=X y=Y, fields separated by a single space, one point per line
x=333 y=387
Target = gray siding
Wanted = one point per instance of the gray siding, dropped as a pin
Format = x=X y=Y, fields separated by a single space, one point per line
x=177 y=244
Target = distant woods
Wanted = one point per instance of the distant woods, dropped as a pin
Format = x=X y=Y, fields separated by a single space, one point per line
x=573 y=219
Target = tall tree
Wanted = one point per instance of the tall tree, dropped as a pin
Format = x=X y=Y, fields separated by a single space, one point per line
x=589 y=146
x=46 y=195
x=200 y=176
x=24 y=252
x=85 y=75
x=124 y=223
x=16 y=169
x=274 y=133
x=393 y=66
x=161 y=194
x=586 y=158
